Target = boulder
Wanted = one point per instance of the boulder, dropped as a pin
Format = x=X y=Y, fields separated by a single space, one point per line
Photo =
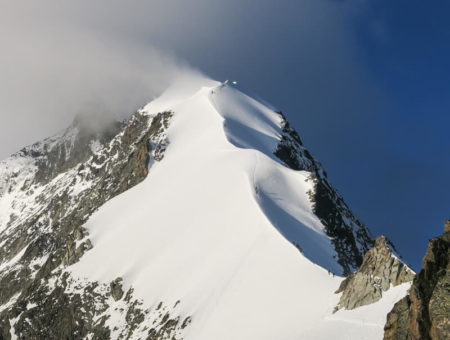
x=380 y=270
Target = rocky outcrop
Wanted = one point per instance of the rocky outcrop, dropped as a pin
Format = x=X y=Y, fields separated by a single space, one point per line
x=117 y=289
x=52 y=187
x=425 y=312
x=75 y=309
x=73 y=146
x=350 y=238
x=379 y=270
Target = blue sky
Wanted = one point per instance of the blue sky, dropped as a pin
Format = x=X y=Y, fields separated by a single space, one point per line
x=365 y=83
x=367 y=86
x=409 y=63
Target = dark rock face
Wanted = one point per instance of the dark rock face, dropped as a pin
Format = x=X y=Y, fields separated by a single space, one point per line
x=54 y=186
x=379 y=270
x=350 y=238
x=75 y=145
x=117 y=289
x=425 y=312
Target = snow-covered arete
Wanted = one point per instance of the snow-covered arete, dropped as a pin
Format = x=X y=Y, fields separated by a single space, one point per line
x=218 y=224
x=207 y=227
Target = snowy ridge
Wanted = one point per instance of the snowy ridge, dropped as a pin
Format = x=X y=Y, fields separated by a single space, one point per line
x=202 y=217
x=210 y=225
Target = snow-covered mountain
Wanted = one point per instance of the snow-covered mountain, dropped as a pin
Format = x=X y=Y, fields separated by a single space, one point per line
x=201 y=217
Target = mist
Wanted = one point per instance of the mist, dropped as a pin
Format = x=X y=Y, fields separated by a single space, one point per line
x=62 y=58
x=56 y=63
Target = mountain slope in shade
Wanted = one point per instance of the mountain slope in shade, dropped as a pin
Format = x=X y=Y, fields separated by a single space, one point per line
x=213 y=222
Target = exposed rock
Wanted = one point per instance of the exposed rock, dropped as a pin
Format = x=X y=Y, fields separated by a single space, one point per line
x=54 y=186
x=379 y=270
x=75 y=145
x=116 y=289
x=397 y=321
x=75 y=309
x=350 y=238
x=424 y=313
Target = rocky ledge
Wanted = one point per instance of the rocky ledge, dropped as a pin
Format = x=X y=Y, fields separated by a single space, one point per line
x=424 y=313
x=380 y=269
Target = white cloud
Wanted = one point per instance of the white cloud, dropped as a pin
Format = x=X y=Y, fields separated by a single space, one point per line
x=59 y=57
x=56 y=62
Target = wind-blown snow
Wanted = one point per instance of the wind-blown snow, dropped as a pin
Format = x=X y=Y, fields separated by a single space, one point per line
x=209 y=226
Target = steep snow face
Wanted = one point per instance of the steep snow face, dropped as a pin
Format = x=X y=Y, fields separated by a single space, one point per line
x=280 y=191
x=209 y=227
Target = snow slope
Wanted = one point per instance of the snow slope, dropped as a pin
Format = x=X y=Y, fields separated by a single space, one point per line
x=209 y=227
